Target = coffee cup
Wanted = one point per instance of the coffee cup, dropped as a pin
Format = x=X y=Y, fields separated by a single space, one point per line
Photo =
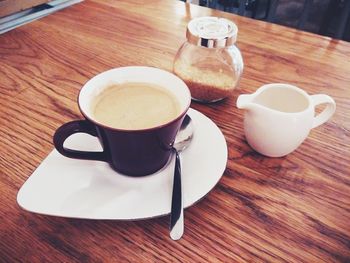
x=135 y=112
x=279 y=117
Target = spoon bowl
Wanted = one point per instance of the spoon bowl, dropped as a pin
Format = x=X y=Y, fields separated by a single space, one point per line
x=184 y=135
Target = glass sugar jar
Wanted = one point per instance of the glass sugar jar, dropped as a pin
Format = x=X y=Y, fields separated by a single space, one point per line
x=209 y=62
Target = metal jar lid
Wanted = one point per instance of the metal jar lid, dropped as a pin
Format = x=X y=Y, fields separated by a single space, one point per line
x=211 y=32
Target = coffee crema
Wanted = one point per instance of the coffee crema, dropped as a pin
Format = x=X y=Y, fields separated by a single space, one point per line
x=135 y=106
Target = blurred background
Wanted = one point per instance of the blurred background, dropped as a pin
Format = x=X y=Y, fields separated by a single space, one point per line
x=324 y=17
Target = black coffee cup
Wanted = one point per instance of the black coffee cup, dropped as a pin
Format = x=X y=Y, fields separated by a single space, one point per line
x=131 y=152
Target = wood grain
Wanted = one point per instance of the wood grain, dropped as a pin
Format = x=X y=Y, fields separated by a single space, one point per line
x=291 y=209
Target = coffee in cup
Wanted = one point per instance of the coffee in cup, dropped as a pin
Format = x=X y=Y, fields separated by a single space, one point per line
x=135 y=105
x=135 y=112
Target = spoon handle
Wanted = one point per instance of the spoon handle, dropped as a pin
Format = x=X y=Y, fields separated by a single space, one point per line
x=177 y=213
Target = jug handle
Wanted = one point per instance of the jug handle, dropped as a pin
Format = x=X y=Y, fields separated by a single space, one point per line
x=327 y=112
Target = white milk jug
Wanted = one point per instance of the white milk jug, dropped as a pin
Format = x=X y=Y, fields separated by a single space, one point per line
x=279 y=117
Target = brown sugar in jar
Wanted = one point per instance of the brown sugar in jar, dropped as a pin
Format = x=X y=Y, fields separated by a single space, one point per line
x=209 y=62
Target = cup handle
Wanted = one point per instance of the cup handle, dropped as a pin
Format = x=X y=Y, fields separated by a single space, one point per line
x=327 y=112
x=68 y=129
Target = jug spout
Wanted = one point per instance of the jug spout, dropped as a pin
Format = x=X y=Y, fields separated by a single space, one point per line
x=244 y=101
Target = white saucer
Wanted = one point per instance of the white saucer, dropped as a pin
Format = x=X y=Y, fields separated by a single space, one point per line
x=92 y=190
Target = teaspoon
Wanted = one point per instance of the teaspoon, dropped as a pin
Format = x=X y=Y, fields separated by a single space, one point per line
x=183 y=139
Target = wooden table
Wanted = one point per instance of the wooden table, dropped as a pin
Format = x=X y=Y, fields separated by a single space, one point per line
x=295 y=208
